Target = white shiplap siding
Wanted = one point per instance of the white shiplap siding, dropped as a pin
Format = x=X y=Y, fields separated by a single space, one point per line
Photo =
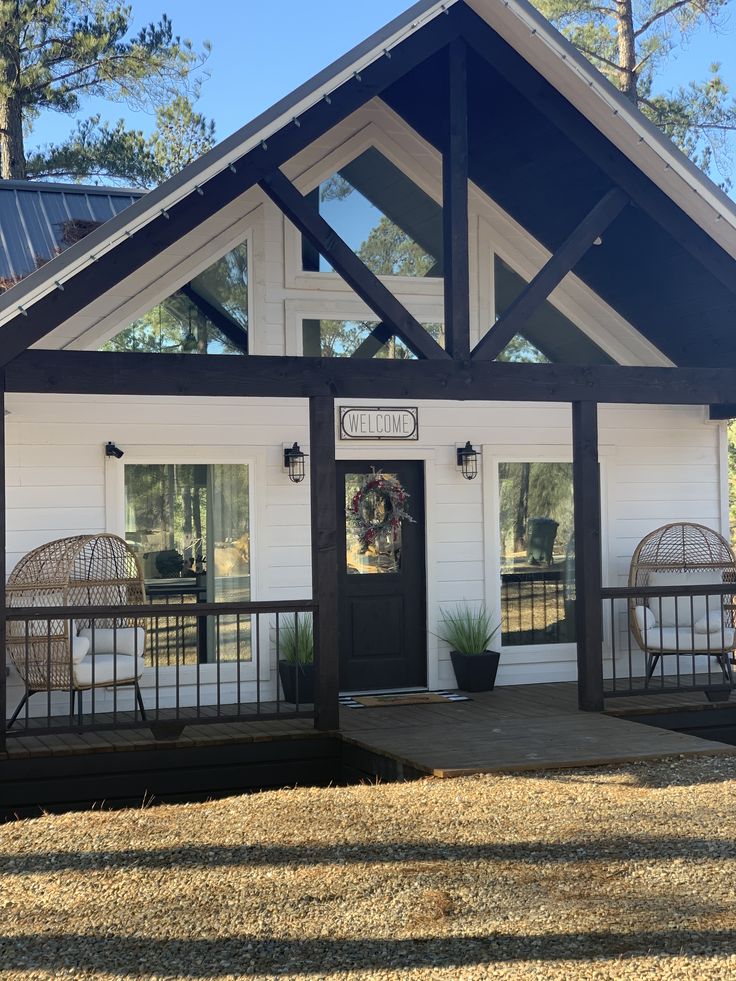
x=658 y=464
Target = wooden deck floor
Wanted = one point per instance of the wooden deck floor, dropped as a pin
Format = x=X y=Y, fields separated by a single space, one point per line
x=511 y=728
x=518 y=728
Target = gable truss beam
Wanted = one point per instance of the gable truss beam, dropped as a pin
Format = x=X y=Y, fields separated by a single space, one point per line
x=131 y=254
x=551 y=274
x=104 y=373
x=237 y=335
x=369 y=348
x=612 y=161
x=348 y=265
x=455 y=161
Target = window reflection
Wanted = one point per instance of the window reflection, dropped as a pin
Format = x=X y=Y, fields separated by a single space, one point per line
x=388 y=221
x=383 y=555
x=537 y=553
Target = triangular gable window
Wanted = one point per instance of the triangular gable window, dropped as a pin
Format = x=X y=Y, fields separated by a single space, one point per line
x=388 y=221
x=549 y=336
x=208 y=315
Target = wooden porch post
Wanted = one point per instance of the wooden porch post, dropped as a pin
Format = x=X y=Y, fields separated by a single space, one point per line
x=455 y=208
x=3 y=650
x=323 y=483
x=588 y=581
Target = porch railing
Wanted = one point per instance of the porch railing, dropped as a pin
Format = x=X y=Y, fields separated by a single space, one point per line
x=680 y=652
x=201 y=663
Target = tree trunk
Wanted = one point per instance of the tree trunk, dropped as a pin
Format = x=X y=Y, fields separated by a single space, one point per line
x=12 y=156
x=522 y=509
x=627 y=49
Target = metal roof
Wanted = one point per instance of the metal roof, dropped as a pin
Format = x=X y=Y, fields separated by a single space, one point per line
x=34 y=219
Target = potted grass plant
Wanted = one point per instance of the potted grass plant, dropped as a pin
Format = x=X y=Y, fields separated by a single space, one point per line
x=469 y=633
x=296 y=658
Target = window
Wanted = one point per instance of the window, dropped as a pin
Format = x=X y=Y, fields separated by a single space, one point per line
x=208 y=315
x=549 y=336
x=383 y=555
x=189 y=524
x=537 y=553
x=356 y=338
x=389 y=222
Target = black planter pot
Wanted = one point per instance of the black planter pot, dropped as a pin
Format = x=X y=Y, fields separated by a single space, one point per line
x=475 y=672
x=288 y=673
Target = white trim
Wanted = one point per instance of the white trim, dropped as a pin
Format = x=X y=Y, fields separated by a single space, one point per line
x=500 y=234
x=491 y=457
x=723 y=488
x=490 y=230
x=373 y=122
x=255 y=459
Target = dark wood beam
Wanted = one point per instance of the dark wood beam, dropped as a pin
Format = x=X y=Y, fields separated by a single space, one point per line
x=455 y=207
x=551 y=274
x=348 y=265
x=131 y=254
x=103 y=373
x=721 y=413
x=588 y=556
x=615 y=164
x=378 y=337
x=323 y=484
x=3 y=549
x=237 y=335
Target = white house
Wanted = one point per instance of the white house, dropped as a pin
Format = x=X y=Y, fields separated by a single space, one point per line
x=368 y=245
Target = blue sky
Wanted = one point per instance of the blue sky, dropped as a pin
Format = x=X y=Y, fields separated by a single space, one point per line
x=263 y=50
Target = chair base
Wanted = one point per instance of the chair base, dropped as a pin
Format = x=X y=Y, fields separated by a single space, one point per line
x=75 y=695
x=724 y=662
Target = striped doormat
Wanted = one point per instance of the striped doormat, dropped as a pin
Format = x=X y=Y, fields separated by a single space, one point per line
x=389 y=699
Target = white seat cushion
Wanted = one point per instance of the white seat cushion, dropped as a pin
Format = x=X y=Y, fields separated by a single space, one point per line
x=80 y=648
x=108 y=670
x=686 y=640
x=684 y=610
x=123 y=640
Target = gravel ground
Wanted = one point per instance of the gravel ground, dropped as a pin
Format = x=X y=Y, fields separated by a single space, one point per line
x=618 y=872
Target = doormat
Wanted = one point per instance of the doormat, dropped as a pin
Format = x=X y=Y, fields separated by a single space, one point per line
x=400 y=698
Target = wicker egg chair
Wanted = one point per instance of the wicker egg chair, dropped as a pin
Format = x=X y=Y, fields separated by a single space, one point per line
x=86 y=570
x=683 y=554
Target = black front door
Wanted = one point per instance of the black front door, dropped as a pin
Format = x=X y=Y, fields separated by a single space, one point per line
x=382 y=588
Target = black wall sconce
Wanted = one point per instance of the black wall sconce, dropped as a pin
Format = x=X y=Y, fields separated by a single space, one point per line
x=294 y=463
x=112 y=450
x=467 y=460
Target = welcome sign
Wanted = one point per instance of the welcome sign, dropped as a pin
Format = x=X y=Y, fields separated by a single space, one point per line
x=379 y=422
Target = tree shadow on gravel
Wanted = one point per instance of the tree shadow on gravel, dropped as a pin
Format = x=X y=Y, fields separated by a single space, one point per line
x=126 y=956
x=608 y=848
x=691 y=771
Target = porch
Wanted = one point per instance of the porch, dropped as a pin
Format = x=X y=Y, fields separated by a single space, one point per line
x=514 y=728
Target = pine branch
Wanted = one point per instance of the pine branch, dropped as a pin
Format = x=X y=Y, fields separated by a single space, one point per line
x=662 y=13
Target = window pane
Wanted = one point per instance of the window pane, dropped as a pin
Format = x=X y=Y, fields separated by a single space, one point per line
x=387 y=220
x=190 y=527
x=230 y=529
x=548 y=334
x=383 y=554
x=208 y=315
x=537 y=553
x=354 y=338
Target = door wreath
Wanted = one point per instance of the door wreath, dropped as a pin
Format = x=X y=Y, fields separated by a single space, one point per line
x=378 y=507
